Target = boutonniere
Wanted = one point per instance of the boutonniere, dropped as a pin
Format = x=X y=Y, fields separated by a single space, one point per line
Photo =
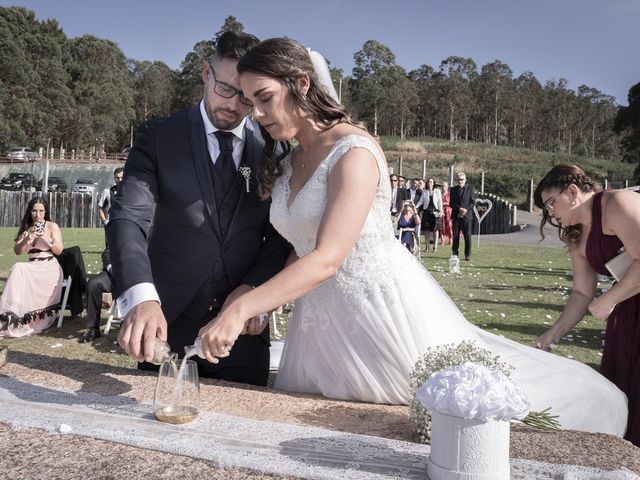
x=246 y=173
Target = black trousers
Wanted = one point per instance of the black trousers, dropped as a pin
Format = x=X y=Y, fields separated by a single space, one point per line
x=461 y=225
x=96 y=286
x=247 y=363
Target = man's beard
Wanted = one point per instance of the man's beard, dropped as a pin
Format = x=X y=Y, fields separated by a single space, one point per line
x=222 y=123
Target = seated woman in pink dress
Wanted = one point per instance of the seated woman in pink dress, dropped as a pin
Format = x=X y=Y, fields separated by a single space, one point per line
x=32 y=292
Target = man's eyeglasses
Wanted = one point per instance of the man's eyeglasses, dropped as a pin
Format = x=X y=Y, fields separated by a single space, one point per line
x=227 y=91
x=394 y=180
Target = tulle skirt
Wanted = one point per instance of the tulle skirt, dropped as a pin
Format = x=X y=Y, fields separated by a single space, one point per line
x=363 y=347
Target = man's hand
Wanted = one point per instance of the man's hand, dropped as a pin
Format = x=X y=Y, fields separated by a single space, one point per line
x=462 y=212
x=144 y=323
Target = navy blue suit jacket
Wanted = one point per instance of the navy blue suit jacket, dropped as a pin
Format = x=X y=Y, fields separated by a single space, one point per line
x=167 y=182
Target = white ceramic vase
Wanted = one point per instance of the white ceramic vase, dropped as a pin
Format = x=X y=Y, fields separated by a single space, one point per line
x=464 y=449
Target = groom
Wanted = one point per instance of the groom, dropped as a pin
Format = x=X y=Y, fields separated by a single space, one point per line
x=187 y=231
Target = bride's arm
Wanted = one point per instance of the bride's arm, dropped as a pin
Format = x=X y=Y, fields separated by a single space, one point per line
x=352 y=186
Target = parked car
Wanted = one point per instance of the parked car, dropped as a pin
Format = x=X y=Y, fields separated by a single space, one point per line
x=22 y=154
x=55 y=184
x=83 y=185
x=18 y=181
x=123 y=155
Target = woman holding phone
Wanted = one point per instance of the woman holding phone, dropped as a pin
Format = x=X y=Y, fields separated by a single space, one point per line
x=31 y=295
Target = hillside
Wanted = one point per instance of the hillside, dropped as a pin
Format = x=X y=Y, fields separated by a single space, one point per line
x=507 y=169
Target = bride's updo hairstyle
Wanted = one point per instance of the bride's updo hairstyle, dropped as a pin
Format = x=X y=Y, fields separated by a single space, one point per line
x=286 y=60
x=560 y=177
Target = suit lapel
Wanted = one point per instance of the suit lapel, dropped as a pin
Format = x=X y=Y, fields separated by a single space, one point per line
x=202 y=163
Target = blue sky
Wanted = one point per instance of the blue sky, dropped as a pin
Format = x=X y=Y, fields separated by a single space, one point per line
x=593 y=42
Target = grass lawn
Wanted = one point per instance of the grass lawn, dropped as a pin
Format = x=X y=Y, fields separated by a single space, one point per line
x=512 y=291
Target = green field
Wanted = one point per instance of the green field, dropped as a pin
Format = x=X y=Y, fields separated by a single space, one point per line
x=513 y=291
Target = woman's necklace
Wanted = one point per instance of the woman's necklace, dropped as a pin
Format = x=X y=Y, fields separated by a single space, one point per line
x=299 y=158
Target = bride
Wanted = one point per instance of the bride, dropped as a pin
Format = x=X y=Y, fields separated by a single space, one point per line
x=354 y=334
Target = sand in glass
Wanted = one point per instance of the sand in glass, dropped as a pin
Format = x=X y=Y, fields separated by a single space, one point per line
x=177 y=396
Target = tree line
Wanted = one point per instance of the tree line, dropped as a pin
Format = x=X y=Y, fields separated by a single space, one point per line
x=80 y=93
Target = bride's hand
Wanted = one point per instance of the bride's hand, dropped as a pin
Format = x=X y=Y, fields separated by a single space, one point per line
x=219 y=335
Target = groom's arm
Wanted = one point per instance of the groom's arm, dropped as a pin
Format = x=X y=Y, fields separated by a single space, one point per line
x=130 y=220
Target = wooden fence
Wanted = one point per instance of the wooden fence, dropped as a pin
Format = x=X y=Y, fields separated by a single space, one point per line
x=502 y=218
x=79 y=210
x=68 y=210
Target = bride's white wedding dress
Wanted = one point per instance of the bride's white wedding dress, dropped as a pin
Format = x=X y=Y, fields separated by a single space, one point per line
x=358 y=335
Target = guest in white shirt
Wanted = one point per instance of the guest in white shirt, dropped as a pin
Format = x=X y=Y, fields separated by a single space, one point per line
x=431 y=204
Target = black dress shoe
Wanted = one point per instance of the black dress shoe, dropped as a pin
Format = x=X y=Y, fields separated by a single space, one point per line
x=90 y=335
x=467 y=258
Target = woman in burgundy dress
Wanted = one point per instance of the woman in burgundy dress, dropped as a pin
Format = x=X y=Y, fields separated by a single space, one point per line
x=446 y=227
x=596 y=228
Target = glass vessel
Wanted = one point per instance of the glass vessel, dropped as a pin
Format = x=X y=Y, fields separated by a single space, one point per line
x=177 y=396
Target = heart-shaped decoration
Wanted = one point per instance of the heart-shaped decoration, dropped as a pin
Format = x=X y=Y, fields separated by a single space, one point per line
x=481 y=207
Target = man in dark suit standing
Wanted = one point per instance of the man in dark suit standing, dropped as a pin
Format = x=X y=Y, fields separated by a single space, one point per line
x=462 y=201
x=188 y=232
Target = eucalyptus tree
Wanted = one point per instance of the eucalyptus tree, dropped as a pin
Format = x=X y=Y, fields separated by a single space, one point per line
x=34 y=91
x=341 y=84
x=103 y=91
x=494 y=92
x=627 y=124
x=594 y=122
x=526 y=112
x=425 y=108
x=396 y=107
x=458 y=73
x=231 y=24
x=154 y=85
x=557 y=115
x=373 y=65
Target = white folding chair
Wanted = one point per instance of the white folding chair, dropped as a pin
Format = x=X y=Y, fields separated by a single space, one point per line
x=114 y=316
x=66 y=288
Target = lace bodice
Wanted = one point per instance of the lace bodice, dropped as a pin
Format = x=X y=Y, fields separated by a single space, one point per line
x=299 y=222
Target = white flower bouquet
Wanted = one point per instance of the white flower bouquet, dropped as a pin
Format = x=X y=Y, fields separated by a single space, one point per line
x=442 y=357
x=473 y=391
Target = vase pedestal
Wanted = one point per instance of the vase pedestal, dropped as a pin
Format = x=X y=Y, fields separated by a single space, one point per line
x=464 y=449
